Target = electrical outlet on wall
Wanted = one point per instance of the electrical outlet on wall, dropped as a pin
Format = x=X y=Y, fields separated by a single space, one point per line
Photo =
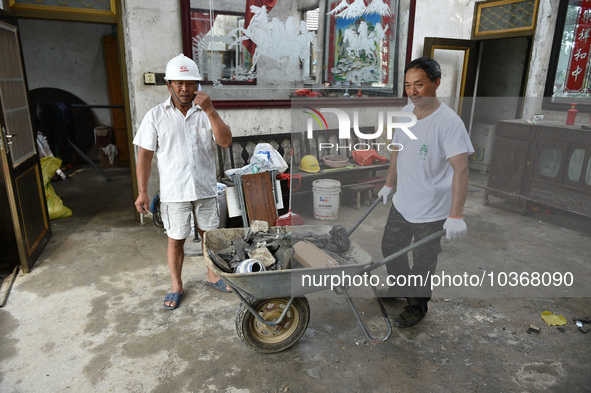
x=149 y=78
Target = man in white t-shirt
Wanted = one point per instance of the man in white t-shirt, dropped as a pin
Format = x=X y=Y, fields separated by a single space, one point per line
x=431 y=178
x=182 y=131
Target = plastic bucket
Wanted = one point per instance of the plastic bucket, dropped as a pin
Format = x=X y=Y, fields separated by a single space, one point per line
x=327 y=198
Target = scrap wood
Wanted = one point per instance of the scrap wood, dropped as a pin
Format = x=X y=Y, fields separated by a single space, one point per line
x=311 y=256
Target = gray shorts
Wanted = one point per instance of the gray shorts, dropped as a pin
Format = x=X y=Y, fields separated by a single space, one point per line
x=177 y=217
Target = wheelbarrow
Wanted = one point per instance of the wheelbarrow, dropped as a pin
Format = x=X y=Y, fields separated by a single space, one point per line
x=274 y=312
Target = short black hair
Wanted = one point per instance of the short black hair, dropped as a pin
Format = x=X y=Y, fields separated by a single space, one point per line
x=427 y=64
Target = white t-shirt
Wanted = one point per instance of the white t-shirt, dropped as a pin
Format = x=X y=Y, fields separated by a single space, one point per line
x=424 y=176
x=184 y=148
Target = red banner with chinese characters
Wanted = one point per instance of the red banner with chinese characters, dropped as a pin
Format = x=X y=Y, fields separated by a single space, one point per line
x=579 y=58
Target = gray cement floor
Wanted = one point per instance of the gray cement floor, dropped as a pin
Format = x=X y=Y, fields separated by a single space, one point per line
x=89 y=317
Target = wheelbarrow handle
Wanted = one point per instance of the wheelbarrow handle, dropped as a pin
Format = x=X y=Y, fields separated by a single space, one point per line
x=391 y=257
x=369 y=210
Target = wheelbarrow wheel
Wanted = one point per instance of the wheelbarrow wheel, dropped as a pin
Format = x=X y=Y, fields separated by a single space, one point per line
x=270 y=339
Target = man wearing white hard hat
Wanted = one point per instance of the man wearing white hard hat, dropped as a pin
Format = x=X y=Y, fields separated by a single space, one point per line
x=182 y=131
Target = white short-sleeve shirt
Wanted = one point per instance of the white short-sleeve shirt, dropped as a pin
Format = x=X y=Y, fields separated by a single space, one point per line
x=184 y=147
x=424 y=176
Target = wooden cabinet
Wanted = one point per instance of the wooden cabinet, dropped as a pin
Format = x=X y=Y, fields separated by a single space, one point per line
x=546 y=163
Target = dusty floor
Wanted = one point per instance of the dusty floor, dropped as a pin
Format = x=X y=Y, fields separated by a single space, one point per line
x=89 y=317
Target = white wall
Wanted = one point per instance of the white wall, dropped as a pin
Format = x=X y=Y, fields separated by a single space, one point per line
x=152 y=30
x=441 y=18
x=67 y=56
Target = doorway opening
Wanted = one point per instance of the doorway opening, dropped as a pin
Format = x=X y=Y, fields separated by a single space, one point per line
x=485 y=82
x=500 y=90
x=75 y=63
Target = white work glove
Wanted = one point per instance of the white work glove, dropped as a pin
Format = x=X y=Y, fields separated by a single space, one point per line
x=455 y=227
x=384 y=193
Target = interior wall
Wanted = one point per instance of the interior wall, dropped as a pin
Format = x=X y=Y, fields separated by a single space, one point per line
x=441 y=18
x=67 y=56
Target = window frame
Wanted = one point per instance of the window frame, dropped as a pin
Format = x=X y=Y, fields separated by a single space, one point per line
x=393 y=98
x=330 y=29
x=583 y=104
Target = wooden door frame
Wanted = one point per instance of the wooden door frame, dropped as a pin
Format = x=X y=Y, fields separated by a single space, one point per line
x=28 y=253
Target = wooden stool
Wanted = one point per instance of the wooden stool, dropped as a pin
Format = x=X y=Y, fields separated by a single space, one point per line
x=358 y=189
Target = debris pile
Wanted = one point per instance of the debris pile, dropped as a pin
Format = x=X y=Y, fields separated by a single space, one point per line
x=274 y=251
x=559 y=321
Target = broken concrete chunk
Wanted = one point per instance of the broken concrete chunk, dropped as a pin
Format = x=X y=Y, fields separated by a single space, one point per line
x=311 y=256
x=259 y=226
x=263 y=255
x=533 y=329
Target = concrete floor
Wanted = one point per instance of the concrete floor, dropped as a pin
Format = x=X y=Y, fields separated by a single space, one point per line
x=89 y=317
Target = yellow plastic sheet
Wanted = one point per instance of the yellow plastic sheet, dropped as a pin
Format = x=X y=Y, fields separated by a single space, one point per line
x=55 y=205
x=553 y=320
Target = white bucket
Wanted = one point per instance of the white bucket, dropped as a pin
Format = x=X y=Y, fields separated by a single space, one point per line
x=327 y=198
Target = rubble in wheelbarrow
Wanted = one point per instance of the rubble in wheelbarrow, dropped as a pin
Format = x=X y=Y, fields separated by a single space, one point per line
x=275 y=250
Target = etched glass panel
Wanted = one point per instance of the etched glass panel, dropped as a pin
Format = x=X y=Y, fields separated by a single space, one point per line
x=549 y=161
x=284 y=49
x=230 y=47
x=575 y=165
x=519 y=14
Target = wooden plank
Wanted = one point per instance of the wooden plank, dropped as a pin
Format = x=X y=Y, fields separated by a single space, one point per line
x=259 y=199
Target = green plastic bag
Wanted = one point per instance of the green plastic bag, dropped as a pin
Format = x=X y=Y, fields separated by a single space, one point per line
x=55 y=205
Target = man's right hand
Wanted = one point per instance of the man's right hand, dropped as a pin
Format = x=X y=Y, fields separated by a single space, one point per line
x=142 y=203
x=385 y=194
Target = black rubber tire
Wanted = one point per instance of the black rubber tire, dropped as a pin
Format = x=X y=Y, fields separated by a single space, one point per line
x=271 y=339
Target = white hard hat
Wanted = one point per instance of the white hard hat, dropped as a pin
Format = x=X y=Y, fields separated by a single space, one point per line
x=181 y=68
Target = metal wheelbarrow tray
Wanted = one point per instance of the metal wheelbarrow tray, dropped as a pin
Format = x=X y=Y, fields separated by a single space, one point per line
x=274 y=313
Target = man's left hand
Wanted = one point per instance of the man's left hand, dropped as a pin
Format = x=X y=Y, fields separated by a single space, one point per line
x=455 y=227
x=203 y=100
